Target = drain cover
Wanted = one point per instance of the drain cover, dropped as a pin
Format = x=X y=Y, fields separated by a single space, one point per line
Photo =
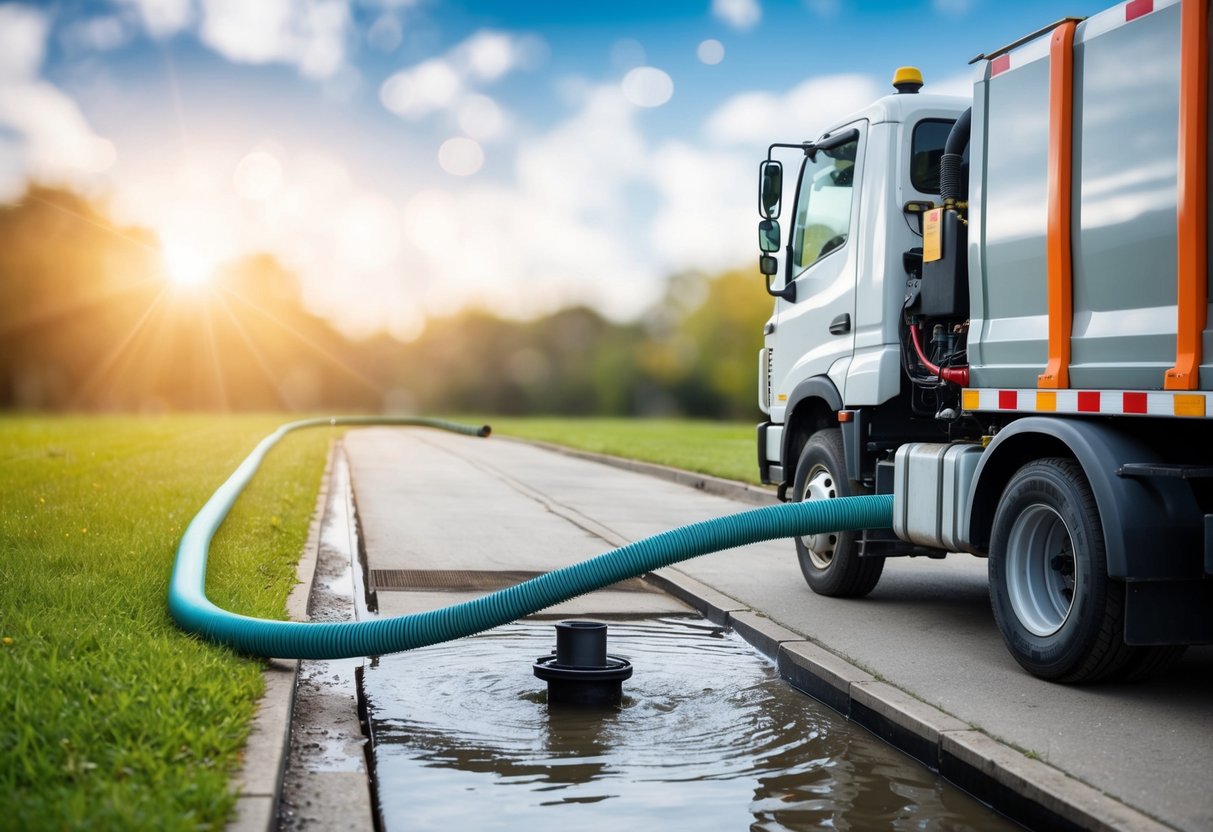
x=467 y=580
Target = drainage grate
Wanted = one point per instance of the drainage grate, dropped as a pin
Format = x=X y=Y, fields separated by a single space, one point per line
x=467 y=580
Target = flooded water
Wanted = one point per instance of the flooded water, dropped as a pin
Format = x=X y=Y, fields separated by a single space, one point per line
x=708 y=737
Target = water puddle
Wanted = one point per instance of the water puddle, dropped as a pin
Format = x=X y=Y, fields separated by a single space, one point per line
x=708 y=737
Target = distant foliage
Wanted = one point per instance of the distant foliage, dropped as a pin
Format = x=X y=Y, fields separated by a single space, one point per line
x=89 y=321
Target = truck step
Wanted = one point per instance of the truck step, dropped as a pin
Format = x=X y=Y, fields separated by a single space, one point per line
x=1142 y=470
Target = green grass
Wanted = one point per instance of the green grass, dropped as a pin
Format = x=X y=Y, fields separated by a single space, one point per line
x=112 y=718
x=722 y=449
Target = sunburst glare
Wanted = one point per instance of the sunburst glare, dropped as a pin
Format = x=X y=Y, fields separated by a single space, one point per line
x=187 y=264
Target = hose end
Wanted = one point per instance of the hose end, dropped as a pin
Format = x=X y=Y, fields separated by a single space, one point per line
x=485 y=431
x=956 y=375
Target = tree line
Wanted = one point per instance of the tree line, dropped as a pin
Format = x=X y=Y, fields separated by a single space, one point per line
x=89 y=322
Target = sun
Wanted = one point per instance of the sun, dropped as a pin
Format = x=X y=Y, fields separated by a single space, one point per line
x=186 y=264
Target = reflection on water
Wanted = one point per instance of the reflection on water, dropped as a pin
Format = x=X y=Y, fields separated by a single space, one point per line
x=708 y=738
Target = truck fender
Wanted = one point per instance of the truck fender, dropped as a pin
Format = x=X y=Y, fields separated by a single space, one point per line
x=1152 y=527
x=820 y=400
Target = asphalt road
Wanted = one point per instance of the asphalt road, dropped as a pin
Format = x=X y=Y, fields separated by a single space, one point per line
x=433 y=500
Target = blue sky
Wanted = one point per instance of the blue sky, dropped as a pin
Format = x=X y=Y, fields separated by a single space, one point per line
x=413 y=157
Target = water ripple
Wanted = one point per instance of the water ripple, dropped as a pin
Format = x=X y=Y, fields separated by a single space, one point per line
x=707 y=736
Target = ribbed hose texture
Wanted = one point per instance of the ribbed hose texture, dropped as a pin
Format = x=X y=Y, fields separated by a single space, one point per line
x=194 y=613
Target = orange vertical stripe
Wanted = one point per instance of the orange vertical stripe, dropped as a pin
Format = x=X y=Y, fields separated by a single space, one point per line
x=1192 y=197
x=1061 y=141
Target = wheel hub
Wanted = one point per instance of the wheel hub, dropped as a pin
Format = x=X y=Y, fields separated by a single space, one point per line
x=1041 y=570
x=820 y=485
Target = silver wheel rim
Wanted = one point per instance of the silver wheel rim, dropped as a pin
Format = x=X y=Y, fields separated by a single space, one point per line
x=820 y=485
x=1041 y=570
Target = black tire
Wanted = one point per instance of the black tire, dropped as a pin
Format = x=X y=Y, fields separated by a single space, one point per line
x=1060 y=614
x=830 y=562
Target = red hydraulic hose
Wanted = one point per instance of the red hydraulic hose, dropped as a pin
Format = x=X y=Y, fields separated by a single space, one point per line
x=956 y=375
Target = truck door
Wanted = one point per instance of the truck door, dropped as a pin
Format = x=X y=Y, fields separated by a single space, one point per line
x=816 y=330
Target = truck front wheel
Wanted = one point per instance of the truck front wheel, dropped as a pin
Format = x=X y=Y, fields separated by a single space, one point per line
x=830 y=561
x=1060 y=614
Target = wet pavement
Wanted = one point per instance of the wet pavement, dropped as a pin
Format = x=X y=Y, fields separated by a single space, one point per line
x=429 y=501
x=707 y=737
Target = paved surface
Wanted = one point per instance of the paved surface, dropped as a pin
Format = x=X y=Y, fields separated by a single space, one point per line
x=432 y=500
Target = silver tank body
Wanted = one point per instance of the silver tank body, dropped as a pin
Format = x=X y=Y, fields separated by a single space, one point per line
x=1126 y=106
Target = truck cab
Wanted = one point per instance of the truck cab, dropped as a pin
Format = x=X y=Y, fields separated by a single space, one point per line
x=849 y=235
x=834 y=342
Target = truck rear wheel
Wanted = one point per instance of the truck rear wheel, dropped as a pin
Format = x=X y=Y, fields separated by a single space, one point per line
x=830 y=561
x=1060 y=614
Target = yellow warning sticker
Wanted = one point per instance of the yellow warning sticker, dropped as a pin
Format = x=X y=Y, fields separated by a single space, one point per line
x=932 y=235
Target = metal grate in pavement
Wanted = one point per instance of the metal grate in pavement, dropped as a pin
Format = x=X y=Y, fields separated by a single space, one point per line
x=467 y=580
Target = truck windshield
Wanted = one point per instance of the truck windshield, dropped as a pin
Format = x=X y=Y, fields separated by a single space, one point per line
x=823 y=209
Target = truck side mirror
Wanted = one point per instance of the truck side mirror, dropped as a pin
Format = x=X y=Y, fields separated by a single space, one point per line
x=770 y=189
x=768 y=265
x=768 y=236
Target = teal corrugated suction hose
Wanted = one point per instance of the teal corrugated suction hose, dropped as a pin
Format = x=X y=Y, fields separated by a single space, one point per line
x=325 y=640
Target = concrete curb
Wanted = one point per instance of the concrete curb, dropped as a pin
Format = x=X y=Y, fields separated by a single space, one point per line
x=712 y=605
x=258 y=784
x=742 y=492
x=1025 y=789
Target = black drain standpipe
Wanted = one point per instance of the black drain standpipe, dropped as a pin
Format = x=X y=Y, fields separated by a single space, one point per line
x=580 y=672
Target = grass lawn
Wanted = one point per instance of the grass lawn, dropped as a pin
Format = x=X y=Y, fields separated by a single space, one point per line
x=723 y=449
x=112 y=718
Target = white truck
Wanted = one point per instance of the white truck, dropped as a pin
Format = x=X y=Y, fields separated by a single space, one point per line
x=997 y=309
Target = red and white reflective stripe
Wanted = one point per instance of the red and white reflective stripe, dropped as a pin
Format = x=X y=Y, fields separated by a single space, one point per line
x=1105 y=402
x=1138 y=8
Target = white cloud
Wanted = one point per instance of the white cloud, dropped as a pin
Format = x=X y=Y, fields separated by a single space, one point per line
x=710 y=51
x=627 y=53
x=385 y=33
x=580 y=166
x=740 y=14
x=647 y=86
x=58 y=139
x=486 y=55
x=758 y=118
x=449 y=84
x=424 y=89
x=481 y=117
x=51 y=139
x=567 y=229
x=101 y=34
x=23 y=31
x=258 y=175
x=163 y=18
x=461 y=156
x=705 y=218
x=311 y=34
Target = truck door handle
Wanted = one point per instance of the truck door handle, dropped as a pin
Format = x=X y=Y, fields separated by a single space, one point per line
x=841 y=325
